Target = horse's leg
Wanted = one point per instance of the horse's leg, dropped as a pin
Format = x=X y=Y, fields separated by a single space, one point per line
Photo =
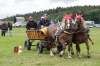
x=71 y=48
x=78 y=50
x=59 y=47
x=64 y=47
x=62 y=52
x=69 y=52
x=55 y=47
x=51 y=53
x=87 y=45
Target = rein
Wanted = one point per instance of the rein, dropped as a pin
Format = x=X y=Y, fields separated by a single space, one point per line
x=80 y=31
x=68 y=32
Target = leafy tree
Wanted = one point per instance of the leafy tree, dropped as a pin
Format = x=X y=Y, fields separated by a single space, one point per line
x=89 y=13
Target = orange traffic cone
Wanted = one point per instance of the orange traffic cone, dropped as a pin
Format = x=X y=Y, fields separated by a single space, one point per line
x=20 y=49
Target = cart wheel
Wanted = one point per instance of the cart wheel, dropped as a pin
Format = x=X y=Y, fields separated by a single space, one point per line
x=27 y=45
x=39 y=47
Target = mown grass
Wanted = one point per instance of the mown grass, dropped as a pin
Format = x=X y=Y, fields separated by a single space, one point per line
x=32 y=58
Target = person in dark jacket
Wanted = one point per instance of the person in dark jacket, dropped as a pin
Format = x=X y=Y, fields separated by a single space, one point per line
x=31 y=24
x=44 y=22
x=10 y=30
x=3 y=29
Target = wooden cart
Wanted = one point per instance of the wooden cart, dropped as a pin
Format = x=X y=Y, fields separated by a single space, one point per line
x=36 y=35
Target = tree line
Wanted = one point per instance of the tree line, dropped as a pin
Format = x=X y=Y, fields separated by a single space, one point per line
x=90 y=13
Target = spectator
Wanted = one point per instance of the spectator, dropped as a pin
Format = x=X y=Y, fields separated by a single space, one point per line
x=44 y=21
x=3 y=29
x=10 y=30
x=31 y=24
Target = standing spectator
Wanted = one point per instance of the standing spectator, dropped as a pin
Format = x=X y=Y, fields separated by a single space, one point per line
x=3 y=29
x=44 y=21
x=10 y=30
x=31 y=24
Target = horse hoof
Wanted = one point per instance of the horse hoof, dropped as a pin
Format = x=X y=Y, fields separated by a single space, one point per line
x=80 y=56
x=51 y=55
x=54 y=53
x=60 y=55
x=72 y=53
x=88 y=56
x=69 y=57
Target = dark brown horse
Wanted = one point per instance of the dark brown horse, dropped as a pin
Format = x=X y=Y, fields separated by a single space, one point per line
x=7 y=25
x=61 y=34
x=80 y=36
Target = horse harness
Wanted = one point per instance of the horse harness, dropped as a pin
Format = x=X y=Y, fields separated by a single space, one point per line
x=84 y=30
x=56 y=36
x=64 y=31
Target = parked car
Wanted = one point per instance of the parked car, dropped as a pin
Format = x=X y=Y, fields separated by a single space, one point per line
x=97 y=25
x=19 y=24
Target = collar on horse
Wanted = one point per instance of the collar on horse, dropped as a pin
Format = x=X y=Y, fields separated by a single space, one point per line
x=56 y=37
x=65 y=30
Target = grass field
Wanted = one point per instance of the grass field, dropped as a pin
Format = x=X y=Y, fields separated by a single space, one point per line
x=32 y=58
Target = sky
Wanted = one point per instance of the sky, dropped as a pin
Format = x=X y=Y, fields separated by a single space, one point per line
x=13 y=7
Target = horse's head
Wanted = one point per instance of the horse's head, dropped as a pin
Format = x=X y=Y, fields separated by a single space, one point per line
x=79 y=21
x=66 y=22
x=78 y=18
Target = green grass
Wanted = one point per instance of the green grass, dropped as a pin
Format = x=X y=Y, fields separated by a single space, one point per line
x=32 y=58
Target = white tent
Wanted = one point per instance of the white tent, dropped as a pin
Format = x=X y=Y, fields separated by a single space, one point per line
x=20 y=19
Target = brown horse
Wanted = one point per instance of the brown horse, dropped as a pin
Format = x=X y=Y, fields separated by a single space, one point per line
x=7 y=25
x=61 y=34
x=80 y=36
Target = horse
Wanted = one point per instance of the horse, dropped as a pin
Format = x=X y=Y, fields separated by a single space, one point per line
x=7 y=25
x=61 y=33
x=80 y=36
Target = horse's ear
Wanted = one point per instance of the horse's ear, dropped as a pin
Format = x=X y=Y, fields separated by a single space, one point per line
x=71 y=15
x=65 y=14
x=81 y=15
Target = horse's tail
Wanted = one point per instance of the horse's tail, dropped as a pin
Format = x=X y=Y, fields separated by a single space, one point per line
x=91 y=41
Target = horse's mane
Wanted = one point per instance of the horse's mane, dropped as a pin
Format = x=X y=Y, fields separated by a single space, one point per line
x=83 y=23
x=63 y=22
